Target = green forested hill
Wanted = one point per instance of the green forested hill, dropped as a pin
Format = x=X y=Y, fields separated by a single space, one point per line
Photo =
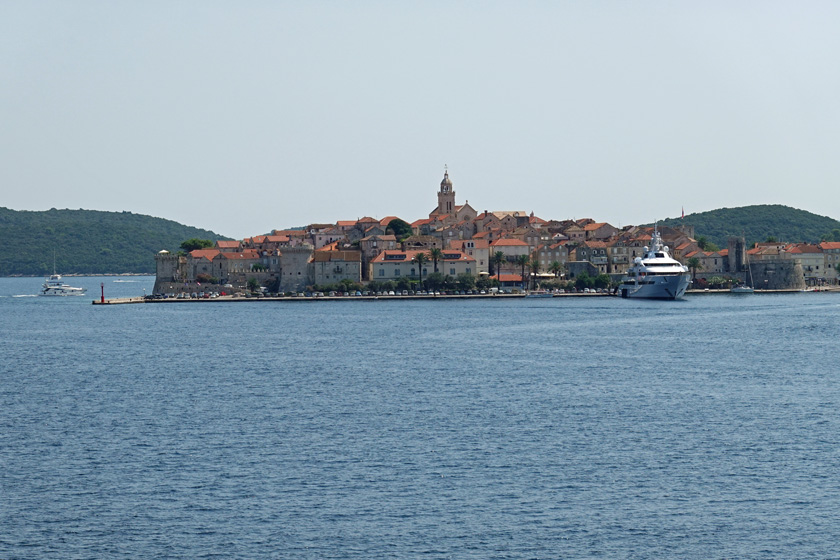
x=87 y=241
x=760 y=222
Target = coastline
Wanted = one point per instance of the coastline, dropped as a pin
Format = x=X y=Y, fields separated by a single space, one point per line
x=252 y=299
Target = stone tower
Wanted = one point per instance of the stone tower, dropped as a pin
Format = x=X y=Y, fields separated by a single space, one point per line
x=446 y=196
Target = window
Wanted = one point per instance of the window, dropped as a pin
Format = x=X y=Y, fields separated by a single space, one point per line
x=396 y=272
x=412 y=272
x=452 y=272
x=469 y=271
x=381 y=272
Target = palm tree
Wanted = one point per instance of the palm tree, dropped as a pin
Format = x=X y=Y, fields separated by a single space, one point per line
x=693 y=263
x=498 y=258
x=535 y=270
x=555 y=268
x=523 y=261
x=421 y=259
x=436 y=255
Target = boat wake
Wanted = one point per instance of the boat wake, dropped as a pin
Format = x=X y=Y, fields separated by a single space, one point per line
x=26 y=295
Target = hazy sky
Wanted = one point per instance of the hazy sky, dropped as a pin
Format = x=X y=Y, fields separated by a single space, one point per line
x=242 y=117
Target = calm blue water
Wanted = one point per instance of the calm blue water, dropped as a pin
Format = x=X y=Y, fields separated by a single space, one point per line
x=546 y=428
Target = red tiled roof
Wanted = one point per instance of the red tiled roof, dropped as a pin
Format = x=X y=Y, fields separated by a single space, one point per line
x=509 y=243
x=208 y=254
x=805 y=248
x=830 y=245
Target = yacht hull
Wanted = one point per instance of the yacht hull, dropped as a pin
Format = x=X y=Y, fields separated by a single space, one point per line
x=656 y=287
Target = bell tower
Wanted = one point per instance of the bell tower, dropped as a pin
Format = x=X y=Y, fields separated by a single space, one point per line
x=446 y=196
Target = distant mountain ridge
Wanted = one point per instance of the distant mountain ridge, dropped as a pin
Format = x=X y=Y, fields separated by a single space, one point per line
x=758 y=223
x=87 y=241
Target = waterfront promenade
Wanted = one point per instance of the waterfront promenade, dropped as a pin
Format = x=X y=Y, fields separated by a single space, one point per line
x=242 y=298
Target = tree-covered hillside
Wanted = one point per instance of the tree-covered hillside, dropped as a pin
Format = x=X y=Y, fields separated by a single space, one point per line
x=87 y=241
x=758 y=223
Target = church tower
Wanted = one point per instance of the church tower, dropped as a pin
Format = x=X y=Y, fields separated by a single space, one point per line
x=446 y=196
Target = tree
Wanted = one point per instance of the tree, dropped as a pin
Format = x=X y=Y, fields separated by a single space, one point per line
x=523 y=261
x=498 y=258
x=693 y=263
x=436 y=255
x=535 y=269
x=555 y=268
x=602 y=281
x=400 y=228
x=421 y=259
x=253 y=284
x=435 y=281
x=195 y=243
x=584 y=281
x=465 y=281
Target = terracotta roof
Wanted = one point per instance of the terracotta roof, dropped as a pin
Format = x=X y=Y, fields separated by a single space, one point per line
x=345 y=223
x=509 y=243
x=508 y=277
x=593 y=227
x=386 y=237
x=830 y=245
x=805 y=248
x=387 y=220
x=208 y=254
x=227 y=244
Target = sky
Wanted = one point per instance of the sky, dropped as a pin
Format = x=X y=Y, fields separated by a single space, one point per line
x=244 y=117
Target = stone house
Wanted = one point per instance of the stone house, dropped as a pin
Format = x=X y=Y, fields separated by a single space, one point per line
x=393 y=265
x=552 y=252
x=330 y=267
x=594 y=252
x=479 y=249
x=831 y=250
x=371 y=247
x=599 y=231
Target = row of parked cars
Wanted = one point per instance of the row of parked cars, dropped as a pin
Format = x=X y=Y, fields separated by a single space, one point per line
x=390 y=293
x=183 y=295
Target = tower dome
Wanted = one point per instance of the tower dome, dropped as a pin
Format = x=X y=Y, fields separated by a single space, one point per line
x=446 y=184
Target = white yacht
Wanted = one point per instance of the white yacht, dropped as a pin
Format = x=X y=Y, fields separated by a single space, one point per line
x=656 y=275
x=54 y=286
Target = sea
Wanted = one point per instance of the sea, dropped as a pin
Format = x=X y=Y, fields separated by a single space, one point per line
x=576 y=427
